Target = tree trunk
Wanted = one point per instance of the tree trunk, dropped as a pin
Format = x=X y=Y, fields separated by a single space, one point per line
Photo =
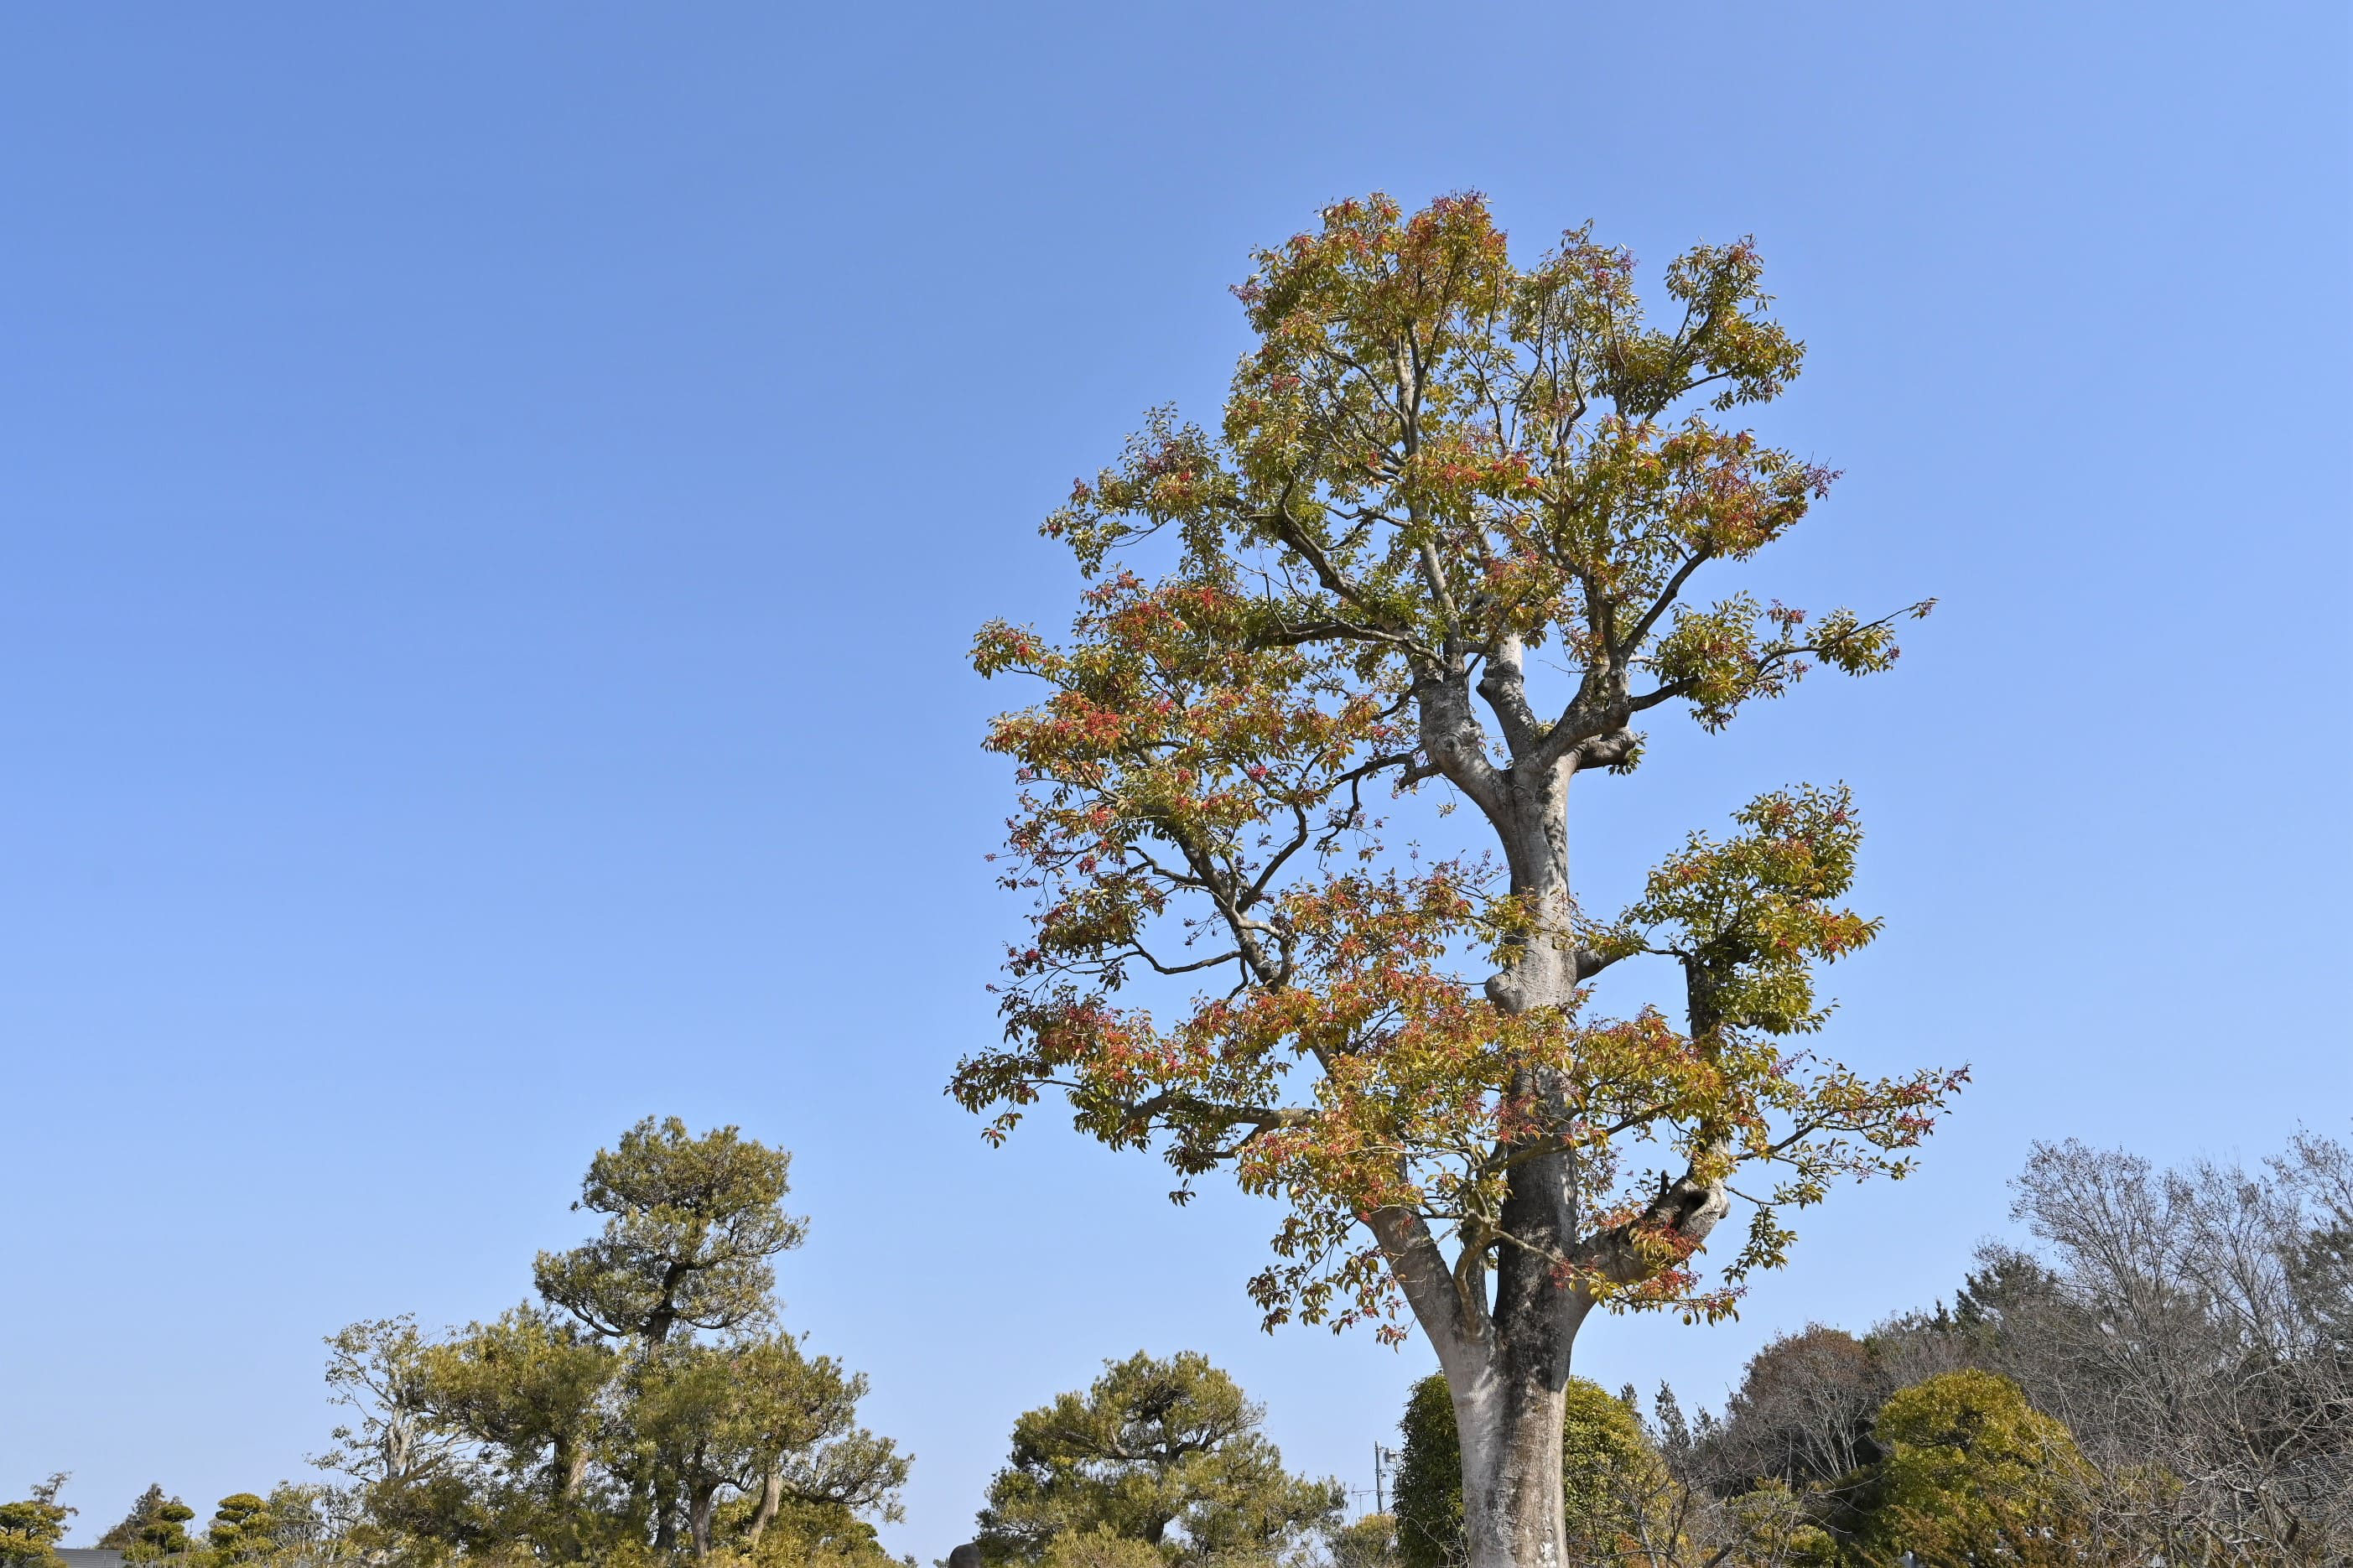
x=570 y=1464
x=1507 y=1361
x=772 y=1497
x=1509 y=1425
x=665 y=1520
x=1509 y=1417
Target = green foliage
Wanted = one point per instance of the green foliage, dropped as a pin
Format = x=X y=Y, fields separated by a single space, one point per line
x=1607 y=1468
x=285 y=1527
x=1099 y=1546
x=157 y=1526
x=647 y=1408
x=241 y=1529
x=530 y=1386
x=739 y=1415
x=1973 y=1474
x=1747 y=916
x=691 y=1225
x=1370 y=1541
x=1429 y=1496
x=1776 y=1527
x=1150 y=1444
x=31 y=1528
x=376 y=1369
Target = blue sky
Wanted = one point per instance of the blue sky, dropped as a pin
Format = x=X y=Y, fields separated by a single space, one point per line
x=494 y=500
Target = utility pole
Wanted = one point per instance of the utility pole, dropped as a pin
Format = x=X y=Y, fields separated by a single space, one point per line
x=1381 y=1456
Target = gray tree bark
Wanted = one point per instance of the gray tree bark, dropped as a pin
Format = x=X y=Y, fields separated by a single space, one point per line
x=1507 y=1358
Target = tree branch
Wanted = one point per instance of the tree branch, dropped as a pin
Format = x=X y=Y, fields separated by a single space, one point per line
x=1453 y=738
x=1504 y=684
x=1457 y=1327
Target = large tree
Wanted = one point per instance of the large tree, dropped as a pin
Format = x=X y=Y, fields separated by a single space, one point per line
x=1446 y=532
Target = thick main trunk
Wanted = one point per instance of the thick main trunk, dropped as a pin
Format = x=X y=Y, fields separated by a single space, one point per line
x=1509 y=1415
x=1507 y=1362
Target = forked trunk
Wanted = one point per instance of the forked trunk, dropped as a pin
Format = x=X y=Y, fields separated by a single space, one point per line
x=1508 y=1359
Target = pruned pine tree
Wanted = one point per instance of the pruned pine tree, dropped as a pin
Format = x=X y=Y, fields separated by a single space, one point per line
x=650 y=1402
x=31 y=1527
x=1448 y=529
x=692 y=1226
x=1165 y=1452
x=157 y=1526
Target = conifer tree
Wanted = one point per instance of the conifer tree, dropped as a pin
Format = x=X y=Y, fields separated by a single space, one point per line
x=1151 y=1444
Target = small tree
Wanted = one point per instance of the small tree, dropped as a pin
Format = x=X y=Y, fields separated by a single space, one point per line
x=1802 y=1413
x=1150 y=1444
x=1369 y=1541
x=31 y=1528
x=1441 y=476
x=157 y=1526
x=252 y=1529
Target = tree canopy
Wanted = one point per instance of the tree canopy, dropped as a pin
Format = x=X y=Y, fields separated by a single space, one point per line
x=1152 y=1445
x=1434 y=468
x=31 y=1527
x=691 y=1225
x=1973 y=1474
x=649 y=1402
x=157 y=1526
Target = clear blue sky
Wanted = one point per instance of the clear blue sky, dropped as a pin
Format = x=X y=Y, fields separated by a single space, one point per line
x=495 y=498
